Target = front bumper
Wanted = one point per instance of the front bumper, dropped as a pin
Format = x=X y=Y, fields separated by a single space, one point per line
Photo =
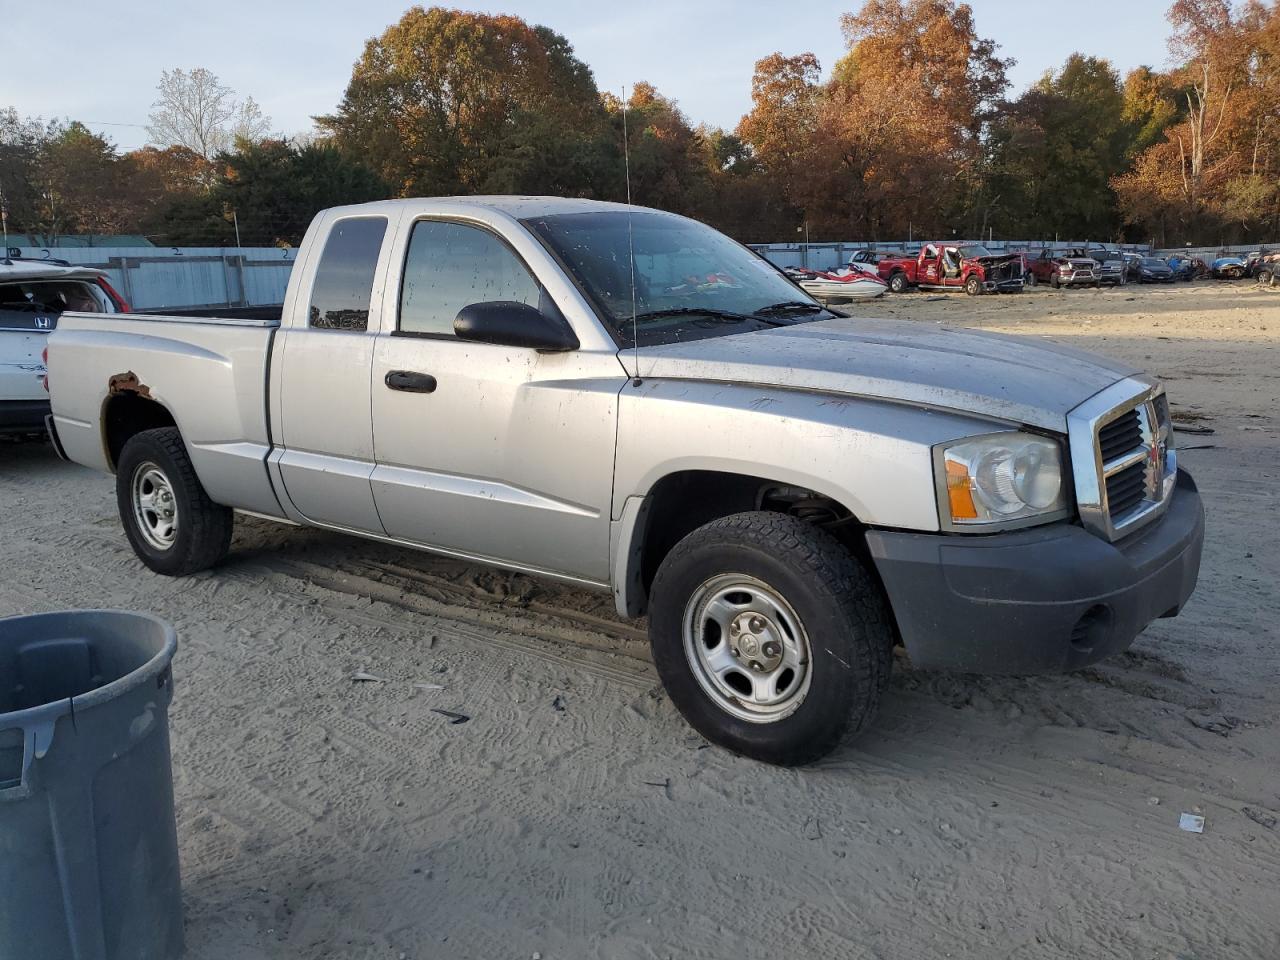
x=1041 y=600
x=1003 y=285
x=1078 y=279
x=22 y=417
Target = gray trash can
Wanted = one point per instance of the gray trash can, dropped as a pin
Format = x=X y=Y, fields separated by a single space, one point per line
x=88 y=846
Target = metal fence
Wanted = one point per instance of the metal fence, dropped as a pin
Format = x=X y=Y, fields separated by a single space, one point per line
x=152 y=278
x=189 y=277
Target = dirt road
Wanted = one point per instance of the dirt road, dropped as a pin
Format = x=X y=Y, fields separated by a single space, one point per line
x=575 y=815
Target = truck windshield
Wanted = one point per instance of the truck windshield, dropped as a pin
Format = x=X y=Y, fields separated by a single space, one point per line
x=691 y=281
x=974 y=250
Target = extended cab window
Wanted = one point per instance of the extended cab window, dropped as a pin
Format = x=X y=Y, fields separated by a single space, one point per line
x=344 y=278
x=453 y=265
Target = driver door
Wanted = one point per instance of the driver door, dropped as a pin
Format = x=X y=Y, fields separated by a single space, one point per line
x=486 y=451
x=930 y=266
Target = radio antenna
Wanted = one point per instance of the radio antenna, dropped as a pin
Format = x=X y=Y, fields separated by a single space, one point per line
x=631 y=242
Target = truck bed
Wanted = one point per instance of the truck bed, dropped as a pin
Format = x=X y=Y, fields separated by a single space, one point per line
x=209 y=372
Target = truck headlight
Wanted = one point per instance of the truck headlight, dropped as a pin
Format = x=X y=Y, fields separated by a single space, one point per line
x=1002 y=479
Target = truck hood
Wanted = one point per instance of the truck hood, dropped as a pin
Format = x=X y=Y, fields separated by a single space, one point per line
x=1020 y=379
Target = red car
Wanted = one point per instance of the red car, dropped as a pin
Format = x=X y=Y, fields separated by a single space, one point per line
x=970 y=267
x=1061 y=270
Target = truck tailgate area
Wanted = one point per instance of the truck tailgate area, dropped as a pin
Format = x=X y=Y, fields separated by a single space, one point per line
x=210 y=374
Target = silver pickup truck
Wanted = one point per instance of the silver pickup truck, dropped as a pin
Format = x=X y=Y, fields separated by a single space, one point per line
x=628 y=400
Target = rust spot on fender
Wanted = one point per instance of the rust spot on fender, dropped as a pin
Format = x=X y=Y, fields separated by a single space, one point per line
x=127 y=383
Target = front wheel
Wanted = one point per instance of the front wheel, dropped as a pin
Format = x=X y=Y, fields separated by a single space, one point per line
x=973 y=286
x=1030 y=280
x=1055 y=282
x=172 y=525
x=770 y=638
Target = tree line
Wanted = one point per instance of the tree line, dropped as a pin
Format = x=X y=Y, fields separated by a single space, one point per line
x=912 y=133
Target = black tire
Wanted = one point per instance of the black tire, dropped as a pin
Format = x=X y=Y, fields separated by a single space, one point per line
x=1030 y=280
x=1055 y=282
x=840 y=610
x=898 y=283
x=973 y=286
x=202 y=531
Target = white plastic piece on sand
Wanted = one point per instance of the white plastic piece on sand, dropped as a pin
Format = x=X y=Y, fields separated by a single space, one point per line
x=427 y=686
x=1191 y=823
x=362 y=677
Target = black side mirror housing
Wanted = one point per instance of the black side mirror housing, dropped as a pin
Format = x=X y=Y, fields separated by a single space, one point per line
x=509 y=323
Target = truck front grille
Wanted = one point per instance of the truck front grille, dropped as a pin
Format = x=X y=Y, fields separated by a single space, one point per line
x=1120 y=435
x=1122 y=458
x=1126 y=489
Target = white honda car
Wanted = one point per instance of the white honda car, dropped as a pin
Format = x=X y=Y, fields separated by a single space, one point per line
x=33 y=295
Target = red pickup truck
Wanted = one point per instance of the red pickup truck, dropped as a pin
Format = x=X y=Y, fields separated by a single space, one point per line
x=970 y=267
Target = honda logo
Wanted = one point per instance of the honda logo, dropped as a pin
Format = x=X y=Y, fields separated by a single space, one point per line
x=43 y=323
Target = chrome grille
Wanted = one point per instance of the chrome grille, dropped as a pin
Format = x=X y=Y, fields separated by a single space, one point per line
x=1120 y=435
x=1122 y=457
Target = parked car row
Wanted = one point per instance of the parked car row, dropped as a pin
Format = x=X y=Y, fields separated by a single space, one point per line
x=975 y=269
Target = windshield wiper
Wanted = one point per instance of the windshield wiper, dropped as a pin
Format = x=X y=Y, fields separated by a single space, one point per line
x=792 y=305
x=718 y=316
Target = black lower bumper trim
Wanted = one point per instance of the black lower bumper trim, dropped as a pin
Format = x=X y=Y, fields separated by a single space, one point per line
x=1040 y=600
x=22 y=417
x=51 y=429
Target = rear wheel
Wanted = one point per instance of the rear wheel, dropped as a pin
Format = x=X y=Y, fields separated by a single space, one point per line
x=898 y=283
x=770 y=638
x=172 y=525
x=973 y=286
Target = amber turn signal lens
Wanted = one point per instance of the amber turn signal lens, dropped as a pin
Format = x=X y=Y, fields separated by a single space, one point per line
x=959 y=492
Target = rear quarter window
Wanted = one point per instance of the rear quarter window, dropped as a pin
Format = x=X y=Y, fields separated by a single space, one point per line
x=344 y=278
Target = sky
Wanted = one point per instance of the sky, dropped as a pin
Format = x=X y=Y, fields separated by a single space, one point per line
x=295 y=57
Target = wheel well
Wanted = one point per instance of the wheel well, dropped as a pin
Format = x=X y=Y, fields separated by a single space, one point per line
x=127 y=414
x=681 y=502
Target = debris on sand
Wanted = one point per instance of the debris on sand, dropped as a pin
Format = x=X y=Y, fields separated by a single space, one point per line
x=559 y=703
x=428 y=686
x=454 y=718
x=361 y=677
x=1260 y=817
x=1189 y=428
x=1192 y=823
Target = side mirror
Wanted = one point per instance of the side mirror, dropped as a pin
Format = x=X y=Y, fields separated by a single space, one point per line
x=509 y=323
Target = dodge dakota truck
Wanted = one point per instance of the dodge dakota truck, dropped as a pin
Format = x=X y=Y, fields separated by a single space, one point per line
x=628 y=400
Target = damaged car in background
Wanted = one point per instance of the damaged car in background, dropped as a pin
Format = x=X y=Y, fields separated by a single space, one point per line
x=1061 y=270
x=970 y=267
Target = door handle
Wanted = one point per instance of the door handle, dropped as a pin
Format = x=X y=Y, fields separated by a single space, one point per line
x=410 y=382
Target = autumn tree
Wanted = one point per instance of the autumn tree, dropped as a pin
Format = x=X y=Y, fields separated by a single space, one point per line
x=1214 y=171
x=60 y=177
x=450 y=102
x=893 y=142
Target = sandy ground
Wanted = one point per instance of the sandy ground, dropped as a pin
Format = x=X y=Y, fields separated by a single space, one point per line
x=575 y=815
